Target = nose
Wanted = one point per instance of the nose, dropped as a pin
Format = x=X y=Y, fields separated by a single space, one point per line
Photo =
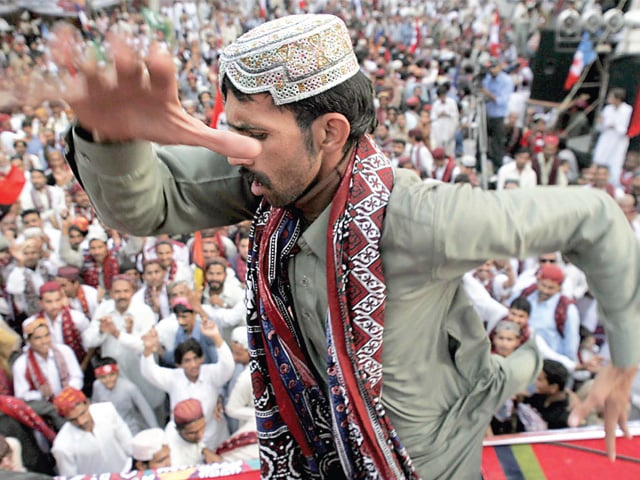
x=240 y=161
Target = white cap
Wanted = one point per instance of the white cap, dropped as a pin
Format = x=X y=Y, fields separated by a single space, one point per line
x=468 y=161
x=239 y=335
x=96 y=232
x=147 y=443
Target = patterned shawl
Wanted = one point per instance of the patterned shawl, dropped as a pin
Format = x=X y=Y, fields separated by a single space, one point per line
x=91 y=272
x=302 y=432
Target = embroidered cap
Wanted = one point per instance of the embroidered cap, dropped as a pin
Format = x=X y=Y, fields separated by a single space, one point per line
x=103 y=370
x=49 y=287
x=292 y=58
x=67 y=400
x=239 y=335
x=69 y=273
x=31 y=324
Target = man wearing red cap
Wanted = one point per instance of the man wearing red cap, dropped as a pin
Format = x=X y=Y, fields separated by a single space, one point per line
x=82 y=298
x=554 y=316
x=546 y=164
x=444 y=167
x=94 y=440
x=185 y=433
x=44 y=368
x=66 y=324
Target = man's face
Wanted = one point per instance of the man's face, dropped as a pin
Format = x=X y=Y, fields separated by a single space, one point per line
x=288 y=163
x=98 y=250
x=505 y=342
x=51 y=303
x=215 y=275
x=109 y=380
x=32 y=220
x=601 y=178
x=38 y=180
x=49 y=138
x=519 y=317
x=81 y=199
x=522 y=159
x=243 y=248
x=191 y=365
x=542 y=384
x=54 y=159
x=153 y=275
x=75 y=238
x=186 y=320
x=165 y=255
x=80 y=417
x=193 y=432
x=32 y=254
x=9 y=223
x=209 y=251
x=240 y=354
x=40 y=340
x=547 y=288
x=69 y=288
x=179 y=290
x=162 y=458
x=549 y=149
x=20 y=148
x=121 y=292
x=398 y=149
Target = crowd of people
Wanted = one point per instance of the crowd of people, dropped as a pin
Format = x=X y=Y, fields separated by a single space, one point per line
x=122 y=352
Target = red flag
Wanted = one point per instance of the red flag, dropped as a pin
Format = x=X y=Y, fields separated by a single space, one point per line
x=494 y=35
x=218 y=108
x=634 y=124
x=11 y=186
x=415 y=39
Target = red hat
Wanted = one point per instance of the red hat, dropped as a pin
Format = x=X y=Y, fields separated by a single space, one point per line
x=67 y=400
x=412 y=101
x=553 y=140
x=183 y=302
x=81 y=222
x=75 y=188
x=69 y=273
x=438 y=153
x=48 y=287
x=187 y=411
x=551 y=272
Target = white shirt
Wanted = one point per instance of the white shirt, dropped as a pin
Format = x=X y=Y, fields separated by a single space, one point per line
x=17 y=281
x=127 y=348
x=206 y=388
x=165 y=309
x=183 y=453
x=106 y=449
x=91 y=295
x=79 y=320
x=56 y=205
x=49 y=369
x=526 y=178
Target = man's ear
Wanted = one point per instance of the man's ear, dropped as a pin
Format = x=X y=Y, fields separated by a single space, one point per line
x=330 y=132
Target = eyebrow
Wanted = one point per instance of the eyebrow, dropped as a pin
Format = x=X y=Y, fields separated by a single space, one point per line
x=244 y=127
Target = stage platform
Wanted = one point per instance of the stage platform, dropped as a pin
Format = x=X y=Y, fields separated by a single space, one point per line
x=567 y=454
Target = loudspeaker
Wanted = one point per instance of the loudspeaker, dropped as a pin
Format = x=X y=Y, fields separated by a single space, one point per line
x=550 y=66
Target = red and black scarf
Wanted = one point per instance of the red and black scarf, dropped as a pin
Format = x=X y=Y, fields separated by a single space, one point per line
x=303 y=432
x=70 y=334
x=34 y=374
x=91 y=274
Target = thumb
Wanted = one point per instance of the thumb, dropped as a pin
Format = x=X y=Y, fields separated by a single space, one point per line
x=580 y=412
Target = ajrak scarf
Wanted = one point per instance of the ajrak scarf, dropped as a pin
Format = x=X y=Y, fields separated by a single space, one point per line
x=36 y=378
x=70 y=333
x=91 y=272
x=302 y=433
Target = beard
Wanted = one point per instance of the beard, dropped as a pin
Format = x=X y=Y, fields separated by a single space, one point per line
x=257 y=176
x=215 y=287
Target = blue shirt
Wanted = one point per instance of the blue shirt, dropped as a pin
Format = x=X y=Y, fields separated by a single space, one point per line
x=543 y=321
x=500 y=87
x=208 y=347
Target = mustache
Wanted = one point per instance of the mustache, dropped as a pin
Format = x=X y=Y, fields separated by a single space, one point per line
x=251 y=176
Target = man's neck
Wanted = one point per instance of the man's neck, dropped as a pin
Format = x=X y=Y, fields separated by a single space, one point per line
x=315 y=200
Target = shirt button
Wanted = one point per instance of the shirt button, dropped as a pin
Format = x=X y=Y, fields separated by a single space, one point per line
x=305 y=281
